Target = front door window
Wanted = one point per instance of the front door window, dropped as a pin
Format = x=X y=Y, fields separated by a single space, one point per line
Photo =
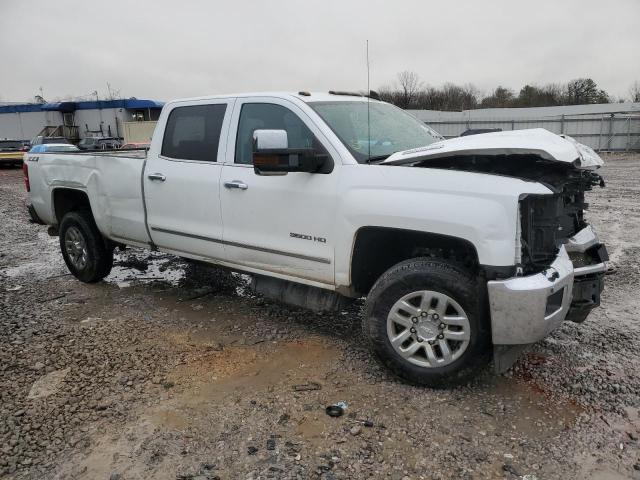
x=261 y=116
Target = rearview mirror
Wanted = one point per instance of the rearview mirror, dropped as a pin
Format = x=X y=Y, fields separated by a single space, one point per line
x=271 y=154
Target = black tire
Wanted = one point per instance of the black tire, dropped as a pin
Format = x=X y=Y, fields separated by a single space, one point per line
x=439 y=276
x=108 y=264
x=99 y=254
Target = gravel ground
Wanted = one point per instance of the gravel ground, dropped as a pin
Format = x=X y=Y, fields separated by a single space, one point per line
x=172 y=370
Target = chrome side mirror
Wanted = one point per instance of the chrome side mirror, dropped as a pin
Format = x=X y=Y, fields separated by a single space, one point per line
x=270 y=140
x=272 y=155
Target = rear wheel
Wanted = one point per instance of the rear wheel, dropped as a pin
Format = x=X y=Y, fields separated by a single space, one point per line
x=426 y=321
x=87 y=255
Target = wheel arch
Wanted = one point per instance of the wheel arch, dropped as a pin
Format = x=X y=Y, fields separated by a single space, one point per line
x=68 y=199
x=376 y=249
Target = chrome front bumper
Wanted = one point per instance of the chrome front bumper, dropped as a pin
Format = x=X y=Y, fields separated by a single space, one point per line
x=525 y=309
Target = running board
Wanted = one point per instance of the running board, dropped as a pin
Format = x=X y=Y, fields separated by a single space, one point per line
x=296 y=294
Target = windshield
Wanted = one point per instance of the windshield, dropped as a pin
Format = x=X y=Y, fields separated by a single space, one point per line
x=389 y=129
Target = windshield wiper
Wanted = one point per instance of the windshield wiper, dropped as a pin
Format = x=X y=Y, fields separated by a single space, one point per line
x=379 y=158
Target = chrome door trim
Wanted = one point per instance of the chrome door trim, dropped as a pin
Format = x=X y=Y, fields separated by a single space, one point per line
x=242 y=245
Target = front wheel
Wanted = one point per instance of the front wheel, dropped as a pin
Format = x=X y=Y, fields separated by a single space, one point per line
x=88 y=257
x=425 y=320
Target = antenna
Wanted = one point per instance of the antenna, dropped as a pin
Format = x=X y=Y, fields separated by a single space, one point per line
x=368 y=102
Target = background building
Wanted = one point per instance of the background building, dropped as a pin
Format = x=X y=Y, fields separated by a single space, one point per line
x=77 y=120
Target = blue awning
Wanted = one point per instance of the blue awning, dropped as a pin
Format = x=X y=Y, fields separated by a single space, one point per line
x=134 y=104
x=129 y=104
x=22 y=108
x=66 y=107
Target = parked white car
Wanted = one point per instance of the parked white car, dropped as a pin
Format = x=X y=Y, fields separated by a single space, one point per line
x=461 y=247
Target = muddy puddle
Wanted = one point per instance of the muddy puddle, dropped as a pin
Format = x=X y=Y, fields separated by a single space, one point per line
x=131 y=267
x=523 y=408
x=235 y=372
x=135 y=266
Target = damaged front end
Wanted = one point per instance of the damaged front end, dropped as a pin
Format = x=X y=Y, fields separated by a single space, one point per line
x=525 y=309
x=551 y=221
x=560 y=262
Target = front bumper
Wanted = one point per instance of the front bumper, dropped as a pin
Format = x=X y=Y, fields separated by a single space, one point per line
x=525 y=309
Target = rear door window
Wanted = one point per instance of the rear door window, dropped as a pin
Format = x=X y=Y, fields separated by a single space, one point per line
x=193 y=133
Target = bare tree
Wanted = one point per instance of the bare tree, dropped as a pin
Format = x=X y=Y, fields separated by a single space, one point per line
x=634 y=91
x=471 y=96
x=387 y=94
x=410 y=84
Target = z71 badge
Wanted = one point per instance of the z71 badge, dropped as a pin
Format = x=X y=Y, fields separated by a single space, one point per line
x=308 y=237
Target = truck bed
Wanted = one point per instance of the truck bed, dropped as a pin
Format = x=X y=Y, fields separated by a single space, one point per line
x=111 y=180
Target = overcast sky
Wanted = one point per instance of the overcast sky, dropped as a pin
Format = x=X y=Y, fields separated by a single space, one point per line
x=163 y=49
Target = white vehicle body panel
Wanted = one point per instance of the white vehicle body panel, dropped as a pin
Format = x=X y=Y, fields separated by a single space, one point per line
x=535 y=141
x=112 y=184
x=479 y=208
x=188 y=201
x=271 y=208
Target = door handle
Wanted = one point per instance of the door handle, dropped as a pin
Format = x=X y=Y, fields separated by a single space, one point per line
x=236 y=184
x=156 y=176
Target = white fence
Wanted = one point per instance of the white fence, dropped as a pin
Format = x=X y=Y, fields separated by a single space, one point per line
x=611 y=127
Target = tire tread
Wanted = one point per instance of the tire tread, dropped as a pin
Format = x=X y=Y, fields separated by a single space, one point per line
x=451 y=277
x=100 y=252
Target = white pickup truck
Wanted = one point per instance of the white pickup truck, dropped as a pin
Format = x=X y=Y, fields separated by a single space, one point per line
x=462 y=247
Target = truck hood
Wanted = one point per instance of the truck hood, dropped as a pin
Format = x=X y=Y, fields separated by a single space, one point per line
x=536 y=141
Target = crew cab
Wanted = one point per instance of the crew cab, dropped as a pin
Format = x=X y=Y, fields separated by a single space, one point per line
x=461 y=247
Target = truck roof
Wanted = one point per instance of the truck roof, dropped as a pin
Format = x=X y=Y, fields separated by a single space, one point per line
x=330 y=96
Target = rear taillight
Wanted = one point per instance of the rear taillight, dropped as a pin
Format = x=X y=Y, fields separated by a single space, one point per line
x=24 y=149
x=25 y=170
